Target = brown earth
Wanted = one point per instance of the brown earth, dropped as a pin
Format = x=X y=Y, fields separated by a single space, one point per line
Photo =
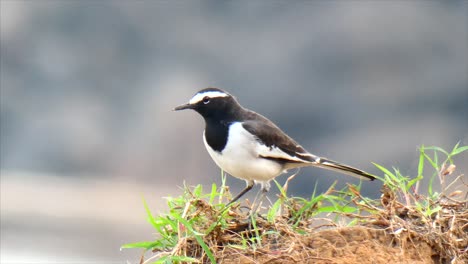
x=348 y=245
x=396 y=234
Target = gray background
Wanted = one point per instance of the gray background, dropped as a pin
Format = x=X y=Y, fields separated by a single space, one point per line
x=87 y=89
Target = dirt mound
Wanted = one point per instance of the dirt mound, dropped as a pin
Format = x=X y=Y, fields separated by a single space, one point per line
x=395 y=233
x=343 y=245
x=336 y=226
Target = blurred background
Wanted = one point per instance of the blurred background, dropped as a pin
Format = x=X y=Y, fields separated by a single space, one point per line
x=88 y=87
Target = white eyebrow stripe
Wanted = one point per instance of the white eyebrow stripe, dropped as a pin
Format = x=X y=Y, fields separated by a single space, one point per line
x=211 y=94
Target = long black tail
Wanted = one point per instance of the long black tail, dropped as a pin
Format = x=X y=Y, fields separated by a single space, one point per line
x=336 y=166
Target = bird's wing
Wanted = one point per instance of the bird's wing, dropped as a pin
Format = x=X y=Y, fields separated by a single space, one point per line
x=275 y=144
x=278 y=146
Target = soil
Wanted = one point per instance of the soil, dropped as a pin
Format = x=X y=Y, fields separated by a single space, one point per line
x=396 y=234
x=389 y=232
x=360 y=245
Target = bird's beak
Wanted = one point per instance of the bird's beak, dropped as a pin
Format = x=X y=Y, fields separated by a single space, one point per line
x=183 y=107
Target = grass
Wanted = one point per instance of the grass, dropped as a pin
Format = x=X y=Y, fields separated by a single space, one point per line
x=197 y=229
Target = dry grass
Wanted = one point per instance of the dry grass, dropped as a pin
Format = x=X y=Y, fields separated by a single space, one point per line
x=396 y=234
x=403 y=226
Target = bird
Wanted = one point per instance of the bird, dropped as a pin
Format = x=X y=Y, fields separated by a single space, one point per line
x=249 y=146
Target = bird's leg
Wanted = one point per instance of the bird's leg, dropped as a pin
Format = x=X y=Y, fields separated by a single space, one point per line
x=249 y=186
x=252 y=218
x=256 y=196
x=260 y=196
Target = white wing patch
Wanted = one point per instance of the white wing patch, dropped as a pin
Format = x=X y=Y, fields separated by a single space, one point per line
x=305 y=154
x=211 y=94
x=276 y=153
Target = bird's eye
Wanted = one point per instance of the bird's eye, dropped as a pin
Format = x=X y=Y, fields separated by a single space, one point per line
x=206 y=99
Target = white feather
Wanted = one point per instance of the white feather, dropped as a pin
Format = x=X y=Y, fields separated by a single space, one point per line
x=275 y=152
x=241 y=156
x=211 y=94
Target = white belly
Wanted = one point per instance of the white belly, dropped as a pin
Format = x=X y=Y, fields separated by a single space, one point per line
x=240 y=157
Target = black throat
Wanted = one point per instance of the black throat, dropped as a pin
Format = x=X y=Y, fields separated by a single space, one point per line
x=219 y=114
x=216 y=133
x=217 y=125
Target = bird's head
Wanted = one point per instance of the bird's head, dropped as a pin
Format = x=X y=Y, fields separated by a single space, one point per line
x=211 y=103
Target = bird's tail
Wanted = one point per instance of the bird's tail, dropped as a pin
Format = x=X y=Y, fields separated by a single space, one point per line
x=336 y=166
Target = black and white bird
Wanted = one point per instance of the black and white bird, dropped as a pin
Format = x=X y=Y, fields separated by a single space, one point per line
x=249 y=146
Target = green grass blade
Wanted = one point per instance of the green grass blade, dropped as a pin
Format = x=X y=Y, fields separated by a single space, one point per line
x=222 y=187
x=145 y=245
x=197 y=237
x=436 y=160
x=197 y=192
x=213 y=193
x=413 y=181
x=437 y=149
x=457 y=151
x=280 y=188
x=433 y=164
x=421 y=161
x=273 y=211
x=385 y=170
x=150 y=216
